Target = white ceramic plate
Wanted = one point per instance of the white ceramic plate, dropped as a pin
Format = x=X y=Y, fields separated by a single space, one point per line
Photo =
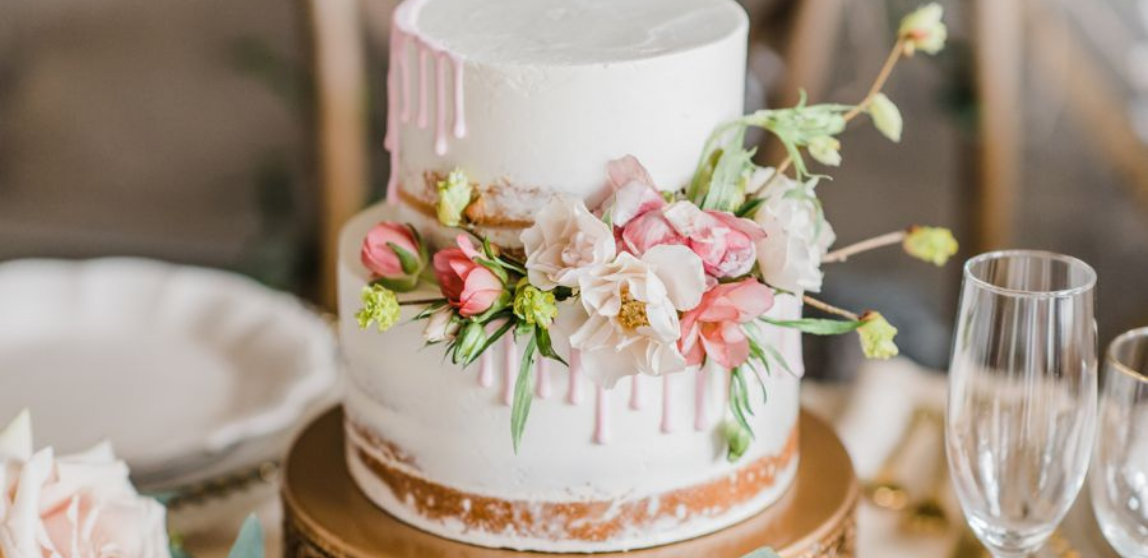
x=175 y=365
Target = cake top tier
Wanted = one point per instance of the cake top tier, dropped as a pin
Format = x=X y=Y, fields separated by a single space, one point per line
x=571 y=32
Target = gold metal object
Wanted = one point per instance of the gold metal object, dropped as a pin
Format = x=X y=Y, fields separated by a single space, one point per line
x=884 y=490
x=928 y=514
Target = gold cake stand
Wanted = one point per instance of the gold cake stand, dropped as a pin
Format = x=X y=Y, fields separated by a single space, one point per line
x=325 y=515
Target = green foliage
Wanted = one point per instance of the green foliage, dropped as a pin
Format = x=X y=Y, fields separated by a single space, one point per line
x=817 y=326
x=523 y=393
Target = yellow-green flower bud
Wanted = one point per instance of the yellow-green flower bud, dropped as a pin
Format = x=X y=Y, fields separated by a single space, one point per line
x=535 y=306
x=886 y=117
x=380 y=306
x=454 y=195
x=924 y=30
x=877 y=337
x=931 y=244
x=826 y=150
x=737 y=440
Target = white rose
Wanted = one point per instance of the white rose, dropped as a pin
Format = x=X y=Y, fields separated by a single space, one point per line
x=76 y=506
x=565 y=241
x=796 y=237
x=630 y=325
x=441 y=326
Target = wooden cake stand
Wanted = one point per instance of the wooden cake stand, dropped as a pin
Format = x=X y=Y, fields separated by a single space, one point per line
x=325 y=515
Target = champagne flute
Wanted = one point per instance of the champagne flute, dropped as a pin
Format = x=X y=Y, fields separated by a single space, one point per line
x=1022 y=395
x=1120 y=470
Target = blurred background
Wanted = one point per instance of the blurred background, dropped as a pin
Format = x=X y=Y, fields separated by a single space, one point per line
x=239 y=135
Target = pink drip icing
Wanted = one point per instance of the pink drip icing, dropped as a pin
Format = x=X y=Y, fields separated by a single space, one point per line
x=424 y=86
x=701 y=421
x=440 y=107
x=405 y=73
x=574 y=391
x=486 y=369
x=543 y=371
x=391 y=143
x=459 y=100
x=667 y=411
x=601 y=417
x=636 y=392
x=510 y=368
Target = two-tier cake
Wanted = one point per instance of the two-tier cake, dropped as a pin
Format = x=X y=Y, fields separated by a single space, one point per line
x=534 y=98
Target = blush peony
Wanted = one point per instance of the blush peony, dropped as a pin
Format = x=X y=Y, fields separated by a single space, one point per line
x=565 y=241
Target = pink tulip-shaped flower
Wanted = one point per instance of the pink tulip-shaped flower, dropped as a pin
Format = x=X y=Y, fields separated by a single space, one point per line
x=394 y=255
x=714 y=328
x=466 y=284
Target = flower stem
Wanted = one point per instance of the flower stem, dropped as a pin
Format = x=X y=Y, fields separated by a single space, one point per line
x=888 y=239
x=882 y=77
x=421 y=302
x=829 y=308
x=878 y=84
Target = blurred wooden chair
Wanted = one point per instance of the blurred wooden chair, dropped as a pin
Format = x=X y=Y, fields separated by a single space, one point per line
x=341 y=143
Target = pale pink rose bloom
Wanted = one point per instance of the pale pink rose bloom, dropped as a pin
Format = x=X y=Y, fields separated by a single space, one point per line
x=724 y=242
x=377 y=254
x=713 y=329
x=649 y=230
x=565 y=241
x=629 y=324
x=634 y=190
x=75 y=506
x=466 y=284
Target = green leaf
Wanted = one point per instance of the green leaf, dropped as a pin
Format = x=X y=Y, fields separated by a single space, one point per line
x=780 y=359
x=250 y=541
x=545 y=347
x=727 y=187
x=409 y=262
x=817 y=326
x=495 y=267
x=749 y=208
x=523 y=393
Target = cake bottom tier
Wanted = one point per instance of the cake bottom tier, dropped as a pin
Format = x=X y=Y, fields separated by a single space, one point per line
x=326 y=515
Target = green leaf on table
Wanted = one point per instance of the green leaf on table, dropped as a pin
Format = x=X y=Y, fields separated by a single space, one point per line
x=523 y=393
x=817 y=326
x=250 y=541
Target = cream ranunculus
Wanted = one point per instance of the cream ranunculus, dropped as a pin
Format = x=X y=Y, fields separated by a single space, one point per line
x=565 y=242
x=630 y=325
x=75 y=506
x=797 y=238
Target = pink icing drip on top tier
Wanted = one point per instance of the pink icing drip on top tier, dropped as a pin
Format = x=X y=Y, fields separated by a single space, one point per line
x=636 y=392
x=602 y=416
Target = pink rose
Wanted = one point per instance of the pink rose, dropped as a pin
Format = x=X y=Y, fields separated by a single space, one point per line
x=394 y=255
x=713 y=329
x=72 y=506
x=649 y=230
x=634 y=190
x=724 y=242
x=466 y=284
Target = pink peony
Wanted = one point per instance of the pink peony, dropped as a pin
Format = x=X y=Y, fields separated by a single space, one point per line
x=381 y=255
x=725 y=243
x=713 y=329
x=634 y=190
x=466 y=284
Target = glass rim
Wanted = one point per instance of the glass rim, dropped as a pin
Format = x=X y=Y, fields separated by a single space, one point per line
x=1088 y=284
x=1116 y=363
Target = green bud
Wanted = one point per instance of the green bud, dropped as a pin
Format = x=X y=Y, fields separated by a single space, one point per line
x=737 y=439
x=877 y=337
x=826 y=150
x=924 y=30
x=534 y=306
x=380 y=306
x=470 y=343
x=886 y=117
x=454 y=195
x=931 y=244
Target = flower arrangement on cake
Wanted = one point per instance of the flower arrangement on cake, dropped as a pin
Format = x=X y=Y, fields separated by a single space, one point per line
x=659 y=282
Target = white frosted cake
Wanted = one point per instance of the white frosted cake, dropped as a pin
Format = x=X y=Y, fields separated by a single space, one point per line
x=533 y=99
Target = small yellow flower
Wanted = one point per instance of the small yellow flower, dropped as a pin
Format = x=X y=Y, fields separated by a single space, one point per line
x=886 y=117
x=877 y=337
x=454 y=195
x=826 y=150
x=535 y=306
x=924 y=30
x=931 y=244
x=380 y=305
